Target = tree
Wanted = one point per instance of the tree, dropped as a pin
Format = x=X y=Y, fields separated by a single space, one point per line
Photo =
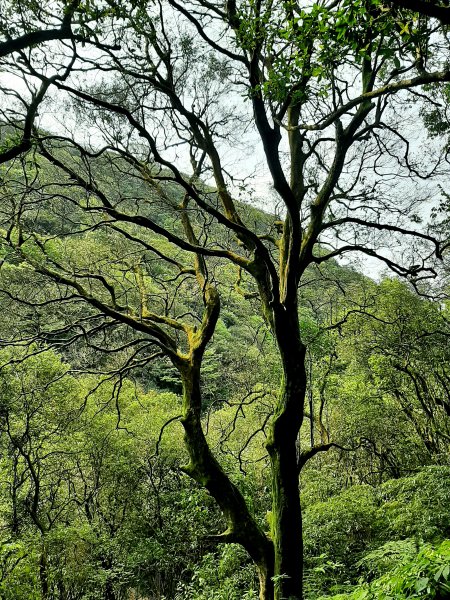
x=85 y=500
x=38 y=408
x=407 y=345
x=326 y=91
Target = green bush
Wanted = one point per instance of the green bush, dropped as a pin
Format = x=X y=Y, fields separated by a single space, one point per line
x=343 y=526
x=229 y=576
x=427 y=575
x=418 y=506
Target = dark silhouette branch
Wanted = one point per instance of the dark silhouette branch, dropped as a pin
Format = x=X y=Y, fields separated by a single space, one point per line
x=427 y=8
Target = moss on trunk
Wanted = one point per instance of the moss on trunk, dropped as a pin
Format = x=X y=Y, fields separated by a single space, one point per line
x=282 y=447
x=204 y=468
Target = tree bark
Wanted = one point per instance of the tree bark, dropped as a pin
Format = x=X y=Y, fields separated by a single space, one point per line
x=205 y=469
x=282 y=448
x=265 y=575
x=43 y=573
x=108 y=592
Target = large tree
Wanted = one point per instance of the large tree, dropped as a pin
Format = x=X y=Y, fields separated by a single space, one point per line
x=327 y=95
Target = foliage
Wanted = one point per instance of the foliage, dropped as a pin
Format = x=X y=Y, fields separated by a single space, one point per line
x=226 y=577
x=143 y=294
x=366 y=533
x=427 y=575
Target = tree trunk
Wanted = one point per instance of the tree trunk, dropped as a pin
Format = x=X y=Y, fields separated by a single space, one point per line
x=205 y=469
x=266 y=583
x=62 y=592
x=43 y=573
x=108 y=592
x=283 y=451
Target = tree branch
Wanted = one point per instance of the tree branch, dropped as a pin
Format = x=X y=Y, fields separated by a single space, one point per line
x=427 y=8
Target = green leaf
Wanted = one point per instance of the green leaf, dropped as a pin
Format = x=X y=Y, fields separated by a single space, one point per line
x=421 y=584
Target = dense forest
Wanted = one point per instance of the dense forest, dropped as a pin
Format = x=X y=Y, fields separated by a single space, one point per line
x=224 y=300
